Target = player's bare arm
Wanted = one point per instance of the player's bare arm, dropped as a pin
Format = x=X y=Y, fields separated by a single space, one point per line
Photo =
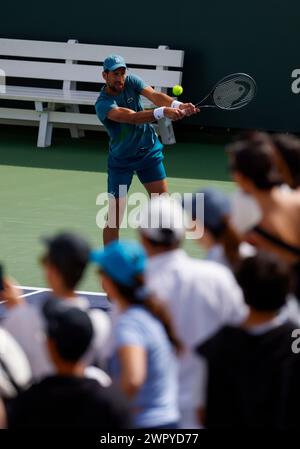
x=161 y=99
x=124 y=115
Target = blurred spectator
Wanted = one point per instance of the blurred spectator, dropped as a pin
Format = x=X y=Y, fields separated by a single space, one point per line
x=254 y=170
x=286 y=153
x=15 y=372
x=63 y=263
x=202 y=296
x=143 y=362
x=277 y=229
x=248 y=365
x=67 y=400
x=220 y=239
x=287 y=156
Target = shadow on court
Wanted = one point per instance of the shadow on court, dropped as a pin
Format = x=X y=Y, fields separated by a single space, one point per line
x=197 y=154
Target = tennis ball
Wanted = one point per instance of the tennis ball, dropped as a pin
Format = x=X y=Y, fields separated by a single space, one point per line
x=177 y=90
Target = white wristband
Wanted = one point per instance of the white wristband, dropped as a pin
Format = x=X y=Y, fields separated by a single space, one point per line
x=175 y=104
x=159 y=113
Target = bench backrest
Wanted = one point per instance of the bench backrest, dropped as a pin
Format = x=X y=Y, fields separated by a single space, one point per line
x=159 y=67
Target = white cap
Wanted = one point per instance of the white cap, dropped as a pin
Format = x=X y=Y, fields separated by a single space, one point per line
x=163 y=220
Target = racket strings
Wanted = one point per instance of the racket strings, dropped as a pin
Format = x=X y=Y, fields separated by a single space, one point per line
x=234 y=92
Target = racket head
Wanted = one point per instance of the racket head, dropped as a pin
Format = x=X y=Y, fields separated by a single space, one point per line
x=232 y=92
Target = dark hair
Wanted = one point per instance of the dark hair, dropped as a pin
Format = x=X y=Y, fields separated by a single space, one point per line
x=255 y=160
x=265 y=281
x=140 y=295
x=288 y=147
x=252 y=136
x=166 y=245
x=70 y=328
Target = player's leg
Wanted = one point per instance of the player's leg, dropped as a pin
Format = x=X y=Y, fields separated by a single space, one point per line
x=116 y=208
x=118 y=183
x=154 y=178
x=160 y=186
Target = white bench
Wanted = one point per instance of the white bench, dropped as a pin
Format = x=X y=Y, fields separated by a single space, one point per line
x=70 y=63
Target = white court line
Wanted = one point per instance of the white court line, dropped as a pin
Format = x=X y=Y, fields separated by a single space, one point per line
x=41 y=290
x=49 y=290
x=32 y=293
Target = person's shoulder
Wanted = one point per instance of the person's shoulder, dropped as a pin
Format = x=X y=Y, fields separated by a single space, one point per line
x=210 y=269
x=33 y=394
x=133 y=324
x=285 y=330
x=132 y=78
x=210 y=266
x=103 y=97
x=221 y=341
x=134 y=316
x=136 y=82
x=18 y=409
x=102 y=94
x=112 y=402
x=23 y=313
x=229 y=332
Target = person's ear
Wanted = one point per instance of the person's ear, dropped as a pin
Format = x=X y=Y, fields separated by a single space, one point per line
x=109 y=286
x=54 y=274
x=104 y=75
x=243 y=181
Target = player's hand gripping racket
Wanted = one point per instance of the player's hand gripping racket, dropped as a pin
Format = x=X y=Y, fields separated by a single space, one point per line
x=232 y=92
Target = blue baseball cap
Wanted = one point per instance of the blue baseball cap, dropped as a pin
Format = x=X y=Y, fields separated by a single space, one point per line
x=113 y=62
x=121 y=260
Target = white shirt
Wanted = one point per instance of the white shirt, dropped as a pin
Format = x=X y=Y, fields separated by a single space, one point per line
x=16 y=363
x=26 y=324
x=217 y=254
x=202 y=297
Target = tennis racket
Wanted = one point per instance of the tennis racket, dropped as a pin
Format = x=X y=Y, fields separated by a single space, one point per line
x=232 y=92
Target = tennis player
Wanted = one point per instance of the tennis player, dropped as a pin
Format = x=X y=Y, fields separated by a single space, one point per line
x=134 y=145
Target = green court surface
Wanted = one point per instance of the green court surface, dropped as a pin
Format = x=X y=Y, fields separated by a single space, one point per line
x=47 y=190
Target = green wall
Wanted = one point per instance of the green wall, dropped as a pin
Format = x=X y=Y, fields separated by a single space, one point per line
x=219 y=37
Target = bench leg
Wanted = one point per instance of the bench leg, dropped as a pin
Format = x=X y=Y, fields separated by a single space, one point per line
x=45 y=131
x=166 y=131
x=45 y=128
x=76 y=133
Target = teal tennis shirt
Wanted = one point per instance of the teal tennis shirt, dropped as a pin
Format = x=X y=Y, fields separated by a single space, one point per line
x=126 y=140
